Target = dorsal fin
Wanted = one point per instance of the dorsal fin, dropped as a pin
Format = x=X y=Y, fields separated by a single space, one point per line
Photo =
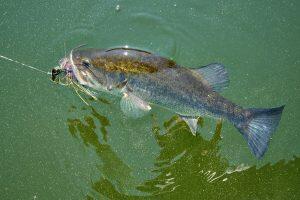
x=216 y=75
x=128 y=48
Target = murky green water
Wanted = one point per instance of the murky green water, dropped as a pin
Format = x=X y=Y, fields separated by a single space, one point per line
x=53 y=146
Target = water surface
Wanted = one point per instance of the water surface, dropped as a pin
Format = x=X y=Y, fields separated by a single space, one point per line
x=53 y=146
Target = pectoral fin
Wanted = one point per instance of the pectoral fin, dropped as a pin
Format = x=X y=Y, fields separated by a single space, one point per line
x=191 y=122
x=133 y=106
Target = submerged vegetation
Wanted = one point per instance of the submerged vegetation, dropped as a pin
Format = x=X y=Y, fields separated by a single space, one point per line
x=187 y=167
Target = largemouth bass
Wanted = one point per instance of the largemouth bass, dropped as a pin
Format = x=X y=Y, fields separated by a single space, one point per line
x=143 y=79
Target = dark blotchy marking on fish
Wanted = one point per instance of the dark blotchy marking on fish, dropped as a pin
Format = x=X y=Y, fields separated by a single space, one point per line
x=129 y=64
x=125 y=65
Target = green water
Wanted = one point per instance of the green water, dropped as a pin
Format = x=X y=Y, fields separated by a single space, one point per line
x=53 y=146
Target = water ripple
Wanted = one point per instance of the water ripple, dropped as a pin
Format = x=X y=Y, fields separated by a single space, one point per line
x=165 y=37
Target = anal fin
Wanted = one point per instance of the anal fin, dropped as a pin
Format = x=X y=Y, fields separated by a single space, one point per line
x=191 y=122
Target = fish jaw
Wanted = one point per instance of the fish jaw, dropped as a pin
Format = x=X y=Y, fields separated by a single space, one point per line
x=63 y=70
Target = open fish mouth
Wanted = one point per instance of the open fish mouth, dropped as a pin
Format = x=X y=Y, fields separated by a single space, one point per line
x=63 y=74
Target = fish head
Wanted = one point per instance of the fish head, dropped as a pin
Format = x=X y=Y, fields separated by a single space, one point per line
x=84 y=72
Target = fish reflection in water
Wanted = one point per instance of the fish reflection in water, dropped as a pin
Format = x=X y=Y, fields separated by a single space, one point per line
x=185 y=168
x=178 y=162
x=112 y=166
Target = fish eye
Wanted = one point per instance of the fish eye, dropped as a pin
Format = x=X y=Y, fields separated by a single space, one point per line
x=86 y=63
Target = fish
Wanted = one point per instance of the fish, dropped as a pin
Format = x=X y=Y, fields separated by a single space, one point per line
x=143 y=79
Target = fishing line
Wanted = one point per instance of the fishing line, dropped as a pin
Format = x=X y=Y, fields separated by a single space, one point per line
x=25 y=65
x=68 y=81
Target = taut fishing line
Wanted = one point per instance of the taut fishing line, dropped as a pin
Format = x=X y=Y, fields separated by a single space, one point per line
x=25 y=65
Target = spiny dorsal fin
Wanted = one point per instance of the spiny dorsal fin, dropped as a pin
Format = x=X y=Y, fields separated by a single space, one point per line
x=216 y=75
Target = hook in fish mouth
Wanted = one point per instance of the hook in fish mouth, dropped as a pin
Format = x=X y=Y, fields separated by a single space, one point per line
x=64 y=70
x=63 y=73
x=55 y=72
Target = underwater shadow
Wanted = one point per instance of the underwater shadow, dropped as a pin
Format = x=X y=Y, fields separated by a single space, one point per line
x=187 y=167
x=194 y=169
x=111 y=167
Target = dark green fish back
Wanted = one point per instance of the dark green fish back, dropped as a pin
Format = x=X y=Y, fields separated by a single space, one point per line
x=125 y=60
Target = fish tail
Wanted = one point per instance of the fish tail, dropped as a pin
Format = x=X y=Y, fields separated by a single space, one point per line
x=258 y=127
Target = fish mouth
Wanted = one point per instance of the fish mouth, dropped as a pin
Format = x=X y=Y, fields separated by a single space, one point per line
x=55 y=73
x=70 y=70
x=67 y=72
x=63 y=73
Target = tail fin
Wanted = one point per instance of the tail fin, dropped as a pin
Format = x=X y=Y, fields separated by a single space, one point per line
x=258 y=128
